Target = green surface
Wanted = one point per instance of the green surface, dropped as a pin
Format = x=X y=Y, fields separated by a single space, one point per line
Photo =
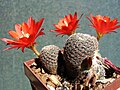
x=16 y=11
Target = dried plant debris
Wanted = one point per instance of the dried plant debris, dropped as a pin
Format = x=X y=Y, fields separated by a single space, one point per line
x=89 y=80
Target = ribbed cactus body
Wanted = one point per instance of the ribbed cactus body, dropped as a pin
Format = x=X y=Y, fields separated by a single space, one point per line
x=78 y=47
x=49 y=58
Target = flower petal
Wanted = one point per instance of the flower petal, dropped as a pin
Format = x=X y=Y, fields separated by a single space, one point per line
x=9 y=41
x=25 y=28
x=18 y=29
x=11 y=47
x=13 y=34
x=39 y=24
x=31 y=25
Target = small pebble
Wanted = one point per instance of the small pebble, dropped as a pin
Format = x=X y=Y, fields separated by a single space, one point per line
x=50 y=87
x=37 y=70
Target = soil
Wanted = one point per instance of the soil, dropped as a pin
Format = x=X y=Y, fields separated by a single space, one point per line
x=55 y=82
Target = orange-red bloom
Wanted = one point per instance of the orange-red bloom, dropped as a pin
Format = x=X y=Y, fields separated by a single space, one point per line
x=103 y=24
x=25 y=34
x=66 y=25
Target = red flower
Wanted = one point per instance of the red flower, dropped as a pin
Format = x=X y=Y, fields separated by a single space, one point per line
x=103 y=24
x=25 y=34
x=66 y=25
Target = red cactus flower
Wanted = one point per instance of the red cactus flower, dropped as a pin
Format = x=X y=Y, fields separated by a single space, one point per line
x=25 y=34
x=66 y=25
x=103 y=24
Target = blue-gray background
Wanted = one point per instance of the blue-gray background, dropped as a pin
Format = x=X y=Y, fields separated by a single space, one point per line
x=16 y=11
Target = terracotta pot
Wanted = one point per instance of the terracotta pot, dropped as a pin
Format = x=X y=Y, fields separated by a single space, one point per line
x=114 y=85
x=37 y=84
x=35 y=81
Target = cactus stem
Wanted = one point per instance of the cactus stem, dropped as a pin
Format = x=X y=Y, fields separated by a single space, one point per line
x=33 y=48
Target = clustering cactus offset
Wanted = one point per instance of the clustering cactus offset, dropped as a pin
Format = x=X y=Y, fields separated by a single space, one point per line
x=78 y=47
x=49 y=58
